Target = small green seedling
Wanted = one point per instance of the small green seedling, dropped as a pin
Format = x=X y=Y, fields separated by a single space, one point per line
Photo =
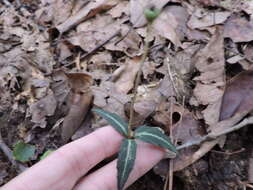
x=127 y=153
x=23 y=152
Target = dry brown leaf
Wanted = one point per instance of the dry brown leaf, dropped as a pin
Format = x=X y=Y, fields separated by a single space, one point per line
x=239 y=29
x=126 y=81
x=191 y=158
x=170 y=25
x=201 y=19
x=248 y=52
x=62 y=10
x=142 y=109
x=247 y=6
x=209 y=88
x=238 y=95
x=80 y=99
x=130 y=44
x=88 y=40
x=99 y=22
x=96 y=31
x=102 y=58
x=185 y=129
x=209 y=2
x=64 y=51
x=108 y=98
x=118 y=10
x=88 y=11
x=43 y=108
x=162 y=114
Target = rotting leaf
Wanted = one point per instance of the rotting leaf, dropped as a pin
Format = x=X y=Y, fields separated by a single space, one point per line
x=126 y=159
x=23 y=152
x=155 y=136
x=80 y=99
x=238 y=95
x=113 y=119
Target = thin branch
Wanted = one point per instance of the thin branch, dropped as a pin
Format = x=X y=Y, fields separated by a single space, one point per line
x=97 y=47
x=8 y=153
x=214 y=135
x=102 y=44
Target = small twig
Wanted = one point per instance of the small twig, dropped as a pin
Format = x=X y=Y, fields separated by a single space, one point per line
x=97 y=47
x=137 y=81
x=6 y=150
x=214 y=135
x=102 y=44
x=229 y=153
x=77 y=60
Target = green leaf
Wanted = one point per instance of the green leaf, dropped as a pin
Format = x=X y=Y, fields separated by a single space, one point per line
x=45 y=154
x=23 y=152
x=155 y=136
x=126 y=161
x=113 y=119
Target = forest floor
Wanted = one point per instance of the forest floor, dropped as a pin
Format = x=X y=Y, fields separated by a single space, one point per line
x=197 y=75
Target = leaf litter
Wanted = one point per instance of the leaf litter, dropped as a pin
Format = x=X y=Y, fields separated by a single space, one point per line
x=54 y=67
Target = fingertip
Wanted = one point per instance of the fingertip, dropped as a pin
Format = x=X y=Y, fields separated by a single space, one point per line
x=106 y=177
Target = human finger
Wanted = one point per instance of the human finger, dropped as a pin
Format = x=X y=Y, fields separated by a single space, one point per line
x=106 y=177
x=61 y=169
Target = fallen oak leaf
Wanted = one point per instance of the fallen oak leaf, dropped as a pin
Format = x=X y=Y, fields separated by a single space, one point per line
x=80 y=99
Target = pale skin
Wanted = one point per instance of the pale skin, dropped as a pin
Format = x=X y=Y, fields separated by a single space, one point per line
x=67 y=167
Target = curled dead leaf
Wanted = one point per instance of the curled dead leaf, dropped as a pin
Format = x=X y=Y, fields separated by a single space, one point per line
x=79 y=100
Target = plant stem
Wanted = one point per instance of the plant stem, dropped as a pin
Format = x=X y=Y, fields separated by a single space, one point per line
x=137 y=81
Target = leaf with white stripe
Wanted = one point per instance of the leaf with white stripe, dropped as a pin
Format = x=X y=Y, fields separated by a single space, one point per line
x=155 y=136
x=113 y=119
x=126 y=159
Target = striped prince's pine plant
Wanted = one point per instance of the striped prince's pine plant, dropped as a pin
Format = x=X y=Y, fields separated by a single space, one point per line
x=152 y=135
x=127 y=153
